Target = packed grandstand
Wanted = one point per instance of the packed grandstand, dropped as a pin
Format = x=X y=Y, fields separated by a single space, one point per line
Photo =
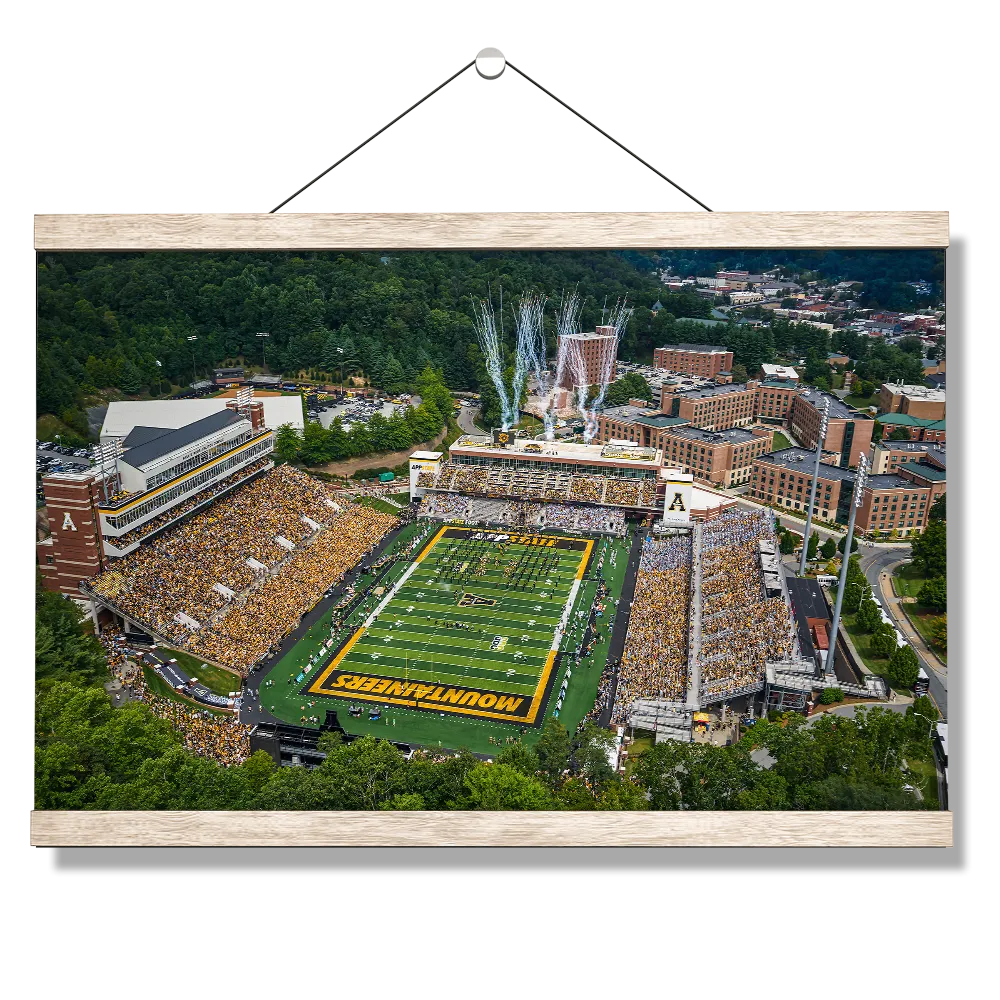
x=741 y=629
x=540 y=485
x=230 y=582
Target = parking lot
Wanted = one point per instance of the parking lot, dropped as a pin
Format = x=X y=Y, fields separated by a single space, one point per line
x=358 y=410
x=53 y=457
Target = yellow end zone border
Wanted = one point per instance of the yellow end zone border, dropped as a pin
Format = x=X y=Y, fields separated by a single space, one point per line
x=536 y=701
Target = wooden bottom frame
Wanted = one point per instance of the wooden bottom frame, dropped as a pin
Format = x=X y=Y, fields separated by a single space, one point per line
x=491 y=829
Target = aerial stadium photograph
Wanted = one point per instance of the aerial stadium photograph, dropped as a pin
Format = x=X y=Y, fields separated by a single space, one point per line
x=505 y=530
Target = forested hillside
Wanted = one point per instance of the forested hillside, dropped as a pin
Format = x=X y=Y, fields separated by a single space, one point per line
x=121 y=322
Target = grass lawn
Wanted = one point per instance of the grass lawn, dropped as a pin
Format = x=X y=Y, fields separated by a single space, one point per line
x=925 y=778
x=216 y=679
x=403 y=497
x=459 y=656
x=861 y=402
x=907 y=581
x=861 y=638
x=637 y=747
x=376 y=504
x=157 y=685
x=780 y=441
x=47 y=427
x=923 y=622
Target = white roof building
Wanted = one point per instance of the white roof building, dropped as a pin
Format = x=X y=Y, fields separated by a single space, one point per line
x=170 y=414
x=780 y=371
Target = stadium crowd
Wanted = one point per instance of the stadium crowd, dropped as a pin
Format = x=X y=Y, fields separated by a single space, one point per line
x=539 y=485
x=741 y=629
x=149 y=527
x=655 y=661
x=221 y=737
x=176 y=573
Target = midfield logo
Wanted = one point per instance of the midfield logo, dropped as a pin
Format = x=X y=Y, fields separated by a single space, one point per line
x=475 y=601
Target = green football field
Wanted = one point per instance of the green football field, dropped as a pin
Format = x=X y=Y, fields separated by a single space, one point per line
x=469 y=628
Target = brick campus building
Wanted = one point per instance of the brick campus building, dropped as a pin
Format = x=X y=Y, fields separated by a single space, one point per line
x=589 y=357
x=914 y=400
x=707 y=431
x=897 y=501
x=162 y=475
x=707 y=360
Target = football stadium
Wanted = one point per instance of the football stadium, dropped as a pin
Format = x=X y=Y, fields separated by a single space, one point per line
x=525 y=580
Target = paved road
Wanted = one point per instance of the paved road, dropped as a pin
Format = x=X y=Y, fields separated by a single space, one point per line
x=878 y=562
x=467 y=419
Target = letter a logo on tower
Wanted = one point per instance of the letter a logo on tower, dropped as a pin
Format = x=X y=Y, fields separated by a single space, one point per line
x=68 y=522
x=677 y=503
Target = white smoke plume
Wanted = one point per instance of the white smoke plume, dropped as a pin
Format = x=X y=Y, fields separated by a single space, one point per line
x=490 y=343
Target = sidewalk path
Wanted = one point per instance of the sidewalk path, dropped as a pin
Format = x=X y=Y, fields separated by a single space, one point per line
x=878 y=567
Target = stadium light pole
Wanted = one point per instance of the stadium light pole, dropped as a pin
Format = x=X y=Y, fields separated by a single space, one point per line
x=823 y=420
x=263 y=345
x=191 y=341
x=859 y=486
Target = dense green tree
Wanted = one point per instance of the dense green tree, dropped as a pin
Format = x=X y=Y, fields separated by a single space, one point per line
x=315 y=447
x=934 y=594
x=930 y=550
x=519 y=757
x=904 y=667
x=501 y=786
x=882 y=644
x=65 y=650
x=853 y=593
x=828 y=548
x=591 y=754
x=869 y=617
x=939 y=509
x=287 y=442
x=553 y=748
x=843 y=542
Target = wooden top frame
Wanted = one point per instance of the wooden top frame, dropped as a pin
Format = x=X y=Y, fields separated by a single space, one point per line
x=539 y=231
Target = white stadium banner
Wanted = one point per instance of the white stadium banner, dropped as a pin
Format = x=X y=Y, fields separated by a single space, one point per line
x=677 y=499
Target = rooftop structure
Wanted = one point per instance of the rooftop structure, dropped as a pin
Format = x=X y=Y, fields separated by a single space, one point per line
x=169 y=414
x=783 y=372
x=800 y=459
x=838 y=408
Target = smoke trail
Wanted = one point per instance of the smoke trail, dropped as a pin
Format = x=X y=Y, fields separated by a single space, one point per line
x=617 y=319
x=529 y=350
x=490 y=344
x=568 y=358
